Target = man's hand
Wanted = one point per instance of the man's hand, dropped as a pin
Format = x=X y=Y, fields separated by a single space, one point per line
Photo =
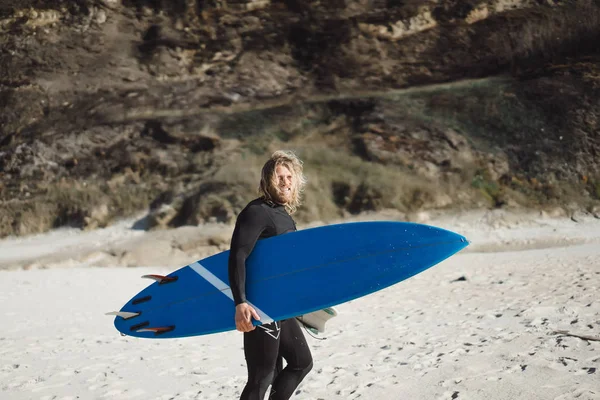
x=243 y=317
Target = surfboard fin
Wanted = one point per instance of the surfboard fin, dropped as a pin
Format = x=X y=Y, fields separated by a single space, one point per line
x=157 y=330
x=312 y=330
x=141 y=300
x=124 y=314
x=315 y=321
x=161 y=279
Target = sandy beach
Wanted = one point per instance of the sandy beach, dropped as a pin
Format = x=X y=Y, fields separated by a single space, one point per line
x=516 y=315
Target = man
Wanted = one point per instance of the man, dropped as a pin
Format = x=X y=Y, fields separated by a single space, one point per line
x=281 y=184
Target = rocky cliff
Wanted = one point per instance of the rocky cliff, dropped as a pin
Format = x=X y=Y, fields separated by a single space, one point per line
x=110 y=107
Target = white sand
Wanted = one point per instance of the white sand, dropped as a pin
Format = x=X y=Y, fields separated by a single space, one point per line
x=491 y=336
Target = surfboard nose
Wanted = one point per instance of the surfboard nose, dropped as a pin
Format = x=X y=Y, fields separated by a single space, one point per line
x=461 y=241
x=453 y=236
x=446 y=242
x=464 y=240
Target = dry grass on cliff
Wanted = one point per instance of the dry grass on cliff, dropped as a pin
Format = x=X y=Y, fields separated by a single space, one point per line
x=340 y=183
x=90 y=206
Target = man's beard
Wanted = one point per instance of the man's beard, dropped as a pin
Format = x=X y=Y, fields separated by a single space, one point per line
x=280 y=196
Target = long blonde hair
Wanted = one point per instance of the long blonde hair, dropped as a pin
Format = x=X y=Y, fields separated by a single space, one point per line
x=268 y=182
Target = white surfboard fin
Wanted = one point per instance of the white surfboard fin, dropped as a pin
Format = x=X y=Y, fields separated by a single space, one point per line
x=316 y=320
x=161 y=279
x=124 y=314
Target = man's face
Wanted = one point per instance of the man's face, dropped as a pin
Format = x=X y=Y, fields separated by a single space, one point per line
x=284 y=184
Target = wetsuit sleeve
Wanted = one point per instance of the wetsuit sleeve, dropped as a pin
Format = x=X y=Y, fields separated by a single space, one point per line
x=250 y=224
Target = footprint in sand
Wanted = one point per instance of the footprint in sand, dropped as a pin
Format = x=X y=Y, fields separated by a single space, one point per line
x=580 y=394
x=9 y=368
x=21 y=382
x=450 y=395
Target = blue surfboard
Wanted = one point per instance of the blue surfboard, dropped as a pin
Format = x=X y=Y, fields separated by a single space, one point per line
x=287 y=276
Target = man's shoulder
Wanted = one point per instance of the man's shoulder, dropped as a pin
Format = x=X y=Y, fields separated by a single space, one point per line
x=256 y=206
x=259 y=202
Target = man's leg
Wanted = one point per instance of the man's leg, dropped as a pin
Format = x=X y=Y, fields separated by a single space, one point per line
x=295 y=351
x=261 y=348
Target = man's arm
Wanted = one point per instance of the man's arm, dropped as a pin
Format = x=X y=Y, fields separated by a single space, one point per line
x=249 y=225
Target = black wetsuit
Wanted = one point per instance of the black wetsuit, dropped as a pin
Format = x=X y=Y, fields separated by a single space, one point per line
x=267 y=344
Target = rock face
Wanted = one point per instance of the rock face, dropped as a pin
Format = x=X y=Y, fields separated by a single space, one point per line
x=110 y=106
